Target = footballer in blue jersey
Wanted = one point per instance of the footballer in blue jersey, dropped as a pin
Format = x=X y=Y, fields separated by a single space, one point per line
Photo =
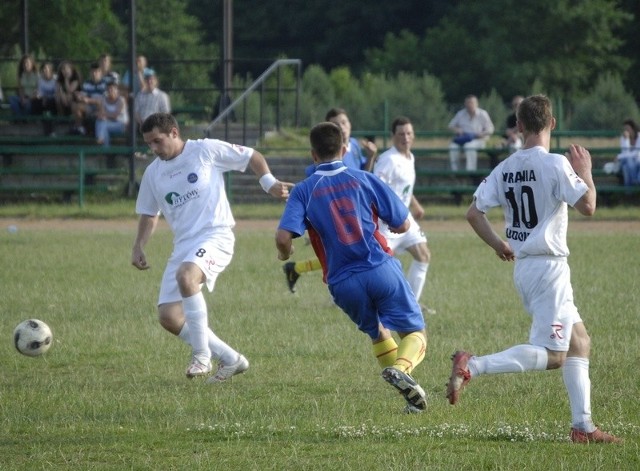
x=359 y=156
x=340 y=208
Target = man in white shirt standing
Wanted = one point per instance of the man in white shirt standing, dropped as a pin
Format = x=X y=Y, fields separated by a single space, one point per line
x=185 y=183
x=472 y=127
x=150 y=99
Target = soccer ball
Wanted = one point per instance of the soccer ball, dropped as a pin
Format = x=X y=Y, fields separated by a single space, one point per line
x=32 y=337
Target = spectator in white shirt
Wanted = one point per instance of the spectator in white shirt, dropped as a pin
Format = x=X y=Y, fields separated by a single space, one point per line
x=472 y=127
x=150 y=100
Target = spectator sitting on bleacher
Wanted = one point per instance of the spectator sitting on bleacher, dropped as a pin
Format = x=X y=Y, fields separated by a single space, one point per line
x=67 y=88
x=629 y=157
x=151 y=100
x=27 y=87
x=45 y=103
x=89 y=98
x=108 y=74
x=472 y=127
x=112 y=115
x=512 y=138
x=139 y=82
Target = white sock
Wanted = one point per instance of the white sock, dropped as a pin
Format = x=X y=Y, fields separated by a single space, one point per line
x=184 y=334
x=575 y=374
x=219 y=350
x=417 y=277
x=196 y=317
x=513 y=360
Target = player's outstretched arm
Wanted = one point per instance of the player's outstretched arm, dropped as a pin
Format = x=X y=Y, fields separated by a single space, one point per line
x=480 y=224
x=268 y=182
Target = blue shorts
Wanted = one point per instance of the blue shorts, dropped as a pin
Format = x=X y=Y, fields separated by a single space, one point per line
x=380 y=295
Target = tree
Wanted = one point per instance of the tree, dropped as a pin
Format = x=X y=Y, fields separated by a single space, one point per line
x=606 y=106
x=509 y=44
x=64 y=29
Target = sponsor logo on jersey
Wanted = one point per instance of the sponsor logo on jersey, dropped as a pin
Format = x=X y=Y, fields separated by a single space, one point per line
x=192 y=178
x=176 y=200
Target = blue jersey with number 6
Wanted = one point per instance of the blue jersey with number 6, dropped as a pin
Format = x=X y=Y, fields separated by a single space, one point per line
x=340 y=208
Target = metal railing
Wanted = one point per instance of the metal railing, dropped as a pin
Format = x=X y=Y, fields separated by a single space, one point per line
x=226 y=114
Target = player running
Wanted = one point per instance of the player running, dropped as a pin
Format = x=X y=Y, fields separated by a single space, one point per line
x=533 y=187
x=396 y=167
x=186 y=184
x=359 y=155
x=340 y=207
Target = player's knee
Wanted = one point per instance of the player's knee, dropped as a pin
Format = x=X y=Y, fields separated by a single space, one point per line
x=189 y=277
x=421 y=253
x=580 y=344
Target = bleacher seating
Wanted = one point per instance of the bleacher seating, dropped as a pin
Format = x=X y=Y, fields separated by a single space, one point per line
x=71 y=165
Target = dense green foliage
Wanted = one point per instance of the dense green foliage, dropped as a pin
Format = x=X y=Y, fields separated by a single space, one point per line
x=111 y=393
x=415 y=58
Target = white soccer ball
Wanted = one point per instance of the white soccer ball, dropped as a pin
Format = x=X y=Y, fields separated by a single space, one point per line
x=32 y=337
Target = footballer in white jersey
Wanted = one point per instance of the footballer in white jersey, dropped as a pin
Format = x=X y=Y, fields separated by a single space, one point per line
x=396 y=167
x=533 y=187
x=185 y=184
x=189 y=189
x=398 y=171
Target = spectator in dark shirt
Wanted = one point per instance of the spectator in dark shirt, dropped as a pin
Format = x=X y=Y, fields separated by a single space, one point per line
x=89 y=99
x=512 y=138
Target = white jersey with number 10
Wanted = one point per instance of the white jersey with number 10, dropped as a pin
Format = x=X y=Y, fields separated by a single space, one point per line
x=533 y=187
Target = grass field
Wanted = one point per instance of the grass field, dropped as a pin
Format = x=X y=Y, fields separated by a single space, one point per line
x=111 y=393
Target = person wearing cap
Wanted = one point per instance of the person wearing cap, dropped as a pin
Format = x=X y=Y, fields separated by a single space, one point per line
x=150 y=100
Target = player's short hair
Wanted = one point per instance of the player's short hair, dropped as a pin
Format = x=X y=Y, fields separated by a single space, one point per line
x=165 y=122
x=399 y=121
x=326 y=140
x=535 y=113
x=333 y=112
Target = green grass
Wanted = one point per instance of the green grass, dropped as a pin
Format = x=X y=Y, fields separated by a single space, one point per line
x=111 y=393
x=98 y=208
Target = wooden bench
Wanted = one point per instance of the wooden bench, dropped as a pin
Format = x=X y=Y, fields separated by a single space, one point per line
x=440 y=180
x=73 y=177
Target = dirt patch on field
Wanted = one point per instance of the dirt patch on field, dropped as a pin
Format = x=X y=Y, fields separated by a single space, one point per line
x=99 y=225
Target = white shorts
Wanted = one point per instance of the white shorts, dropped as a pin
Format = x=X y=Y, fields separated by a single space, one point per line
x=211 y=254
x=400 y=242
x=544 y=284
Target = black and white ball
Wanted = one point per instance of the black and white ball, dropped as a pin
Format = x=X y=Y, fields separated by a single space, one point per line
x=32 y=337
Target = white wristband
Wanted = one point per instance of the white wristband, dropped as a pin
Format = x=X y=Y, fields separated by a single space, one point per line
x=267 y=181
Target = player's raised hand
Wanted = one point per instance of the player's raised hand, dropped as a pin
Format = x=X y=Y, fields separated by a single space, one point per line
x=580 y=159
x=368 y=147
x=280 y=189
